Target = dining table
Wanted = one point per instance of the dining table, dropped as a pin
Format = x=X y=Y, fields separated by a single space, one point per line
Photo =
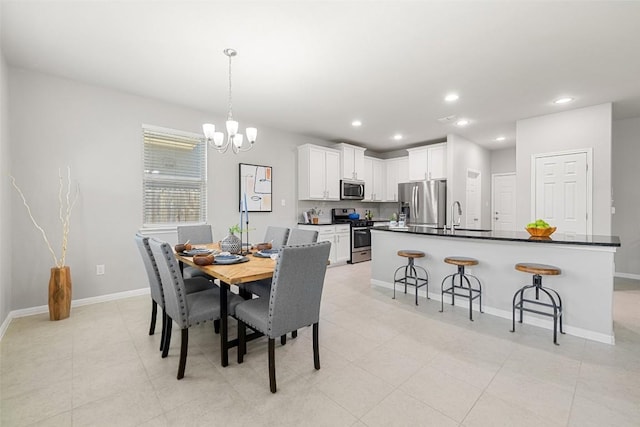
x=254 y=268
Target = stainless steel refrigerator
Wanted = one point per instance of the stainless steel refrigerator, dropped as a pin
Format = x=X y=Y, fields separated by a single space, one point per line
x=424 y=202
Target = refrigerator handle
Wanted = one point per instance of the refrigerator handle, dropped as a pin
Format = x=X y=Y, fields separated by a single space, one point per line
x=415 y=203
x=412 y=205
x=418 y=207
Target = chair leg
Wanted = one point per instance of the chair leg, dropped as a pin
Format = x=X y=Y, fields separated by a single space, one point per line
x=216 y=326
x=164 y=330
x=242 y=341
x=283 y=339
x=167 y=338
x=294 y=334
x=184 y=345
x=154 y=313
x=316 y=347
x=272 y=365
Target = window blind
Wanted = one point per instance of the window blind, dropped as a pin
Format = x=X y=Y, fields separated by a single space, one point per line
x=174 y=178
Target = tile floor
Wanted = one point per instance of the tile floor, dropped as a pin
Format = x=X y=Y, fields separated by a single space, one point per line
x=384 y=362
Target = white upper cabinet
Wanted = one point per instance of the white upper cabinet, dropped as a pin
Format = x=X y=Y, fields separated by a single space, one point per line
x=318 y=173
x=352 y=166
x=437 y=155
x=397 y=171
x=374 y=179
x=428 y=162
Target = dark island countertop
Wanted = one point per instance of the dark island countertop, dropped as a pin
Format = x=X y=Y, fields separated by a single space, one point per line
x=511 y=236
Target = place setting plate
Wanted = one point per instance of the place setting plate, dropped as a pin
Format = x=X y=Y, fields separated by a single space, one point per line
x=197 y=251
x=265 y=253
x=229 y=259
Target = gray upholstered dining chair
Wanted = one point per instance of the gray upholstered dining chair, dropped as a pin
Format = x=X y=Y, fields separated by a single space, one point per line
x=296 y=292
x=196 y=235
x=186 y=309
x=155 y=286
x=277 y=236
x=262 y=288
x=301 y=237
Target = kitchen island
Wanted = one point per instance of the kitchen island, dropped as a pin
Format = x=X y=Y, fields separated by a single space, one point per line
x=585 y=285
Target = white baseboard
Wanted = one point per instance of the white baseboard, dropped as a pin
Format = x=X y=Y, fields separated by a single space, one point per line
x=75 y=303
x=527 y=319
x=627 y=276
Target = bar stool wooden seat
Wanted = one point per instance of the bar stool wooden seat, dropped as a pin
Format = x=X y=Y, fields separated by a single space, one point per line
x=471 y=292
x=555 y=302
x=414 y=275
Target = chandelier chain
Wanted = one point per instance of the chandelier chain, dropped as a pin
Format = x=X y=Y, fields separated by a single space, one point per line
x=230 y=99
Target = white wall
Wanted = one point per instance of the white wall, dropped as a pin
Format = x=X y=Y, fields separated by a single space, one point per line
x=626 y=194
x=463 y=154
x=97 y=131
x=503 y=161
x=582 y=128
x=5 y=189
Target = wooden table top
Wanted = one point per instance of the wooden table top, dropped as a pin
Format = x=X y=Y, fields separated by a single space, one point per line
x=234 y=274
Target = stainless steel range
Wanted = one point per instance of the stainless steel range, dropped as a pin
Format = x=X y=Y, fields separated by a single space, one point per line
x=360 y=233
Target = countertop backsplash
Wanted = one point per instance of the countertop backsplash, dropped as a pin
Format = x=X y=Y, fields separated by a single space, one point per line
x=380 y=211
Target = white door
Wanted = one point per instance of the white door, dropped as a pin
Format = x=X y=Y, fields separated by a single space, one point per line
x=503 y=206
x=474 y=208
x=561 y=191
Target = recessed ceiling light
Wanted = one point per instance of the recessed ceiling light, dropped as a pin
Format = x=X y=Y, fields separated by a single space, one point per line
x=356 y=123
x=451 y=97
x=397 y=137
x=462 y=122
x=500 y=138
x=563 y=100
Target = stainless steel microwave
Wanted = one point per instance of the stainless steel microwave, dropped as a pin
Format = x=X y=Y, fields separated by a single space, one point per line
x=351 y=189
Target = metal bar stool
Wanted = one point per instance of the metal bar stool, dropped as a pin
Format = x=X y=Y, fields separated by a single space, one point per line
x=411 y=275
x=471 y=292
x=538 y=270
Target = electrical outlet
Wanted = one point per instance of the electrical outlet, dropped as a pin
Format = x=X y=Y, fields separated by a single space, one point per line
x=99 y=269
x=283 y=202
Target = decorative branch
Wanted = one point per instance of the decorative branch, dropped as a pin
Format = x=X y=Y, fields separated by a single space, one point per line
x=64 y=219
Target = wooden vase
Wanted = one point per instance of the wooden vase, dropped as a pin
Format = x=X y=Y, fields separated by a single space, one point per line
x=59 y=293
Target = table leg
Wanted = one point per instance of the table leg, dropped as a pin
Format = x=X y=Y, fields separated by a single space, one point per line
x=224 y=345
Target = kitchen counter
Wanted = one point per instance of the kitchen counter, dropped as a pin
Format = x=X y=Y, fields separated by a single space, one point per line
x=585 y=283
x=510 y=236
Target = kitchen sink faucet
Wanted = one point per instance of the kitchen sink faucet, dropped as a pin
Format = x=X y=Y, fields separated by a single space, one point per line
x=453 y=225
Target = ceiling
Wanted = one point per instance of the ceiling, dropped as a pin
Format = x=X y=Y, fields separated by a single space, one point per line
x=312 y=67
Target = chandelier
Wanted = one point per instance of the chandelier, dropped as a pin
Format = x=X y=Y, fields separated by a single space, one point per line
x=234 y=139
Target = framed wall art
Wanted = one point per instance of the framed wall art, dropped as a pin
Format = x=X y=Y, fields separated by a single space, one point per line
x=255 y=188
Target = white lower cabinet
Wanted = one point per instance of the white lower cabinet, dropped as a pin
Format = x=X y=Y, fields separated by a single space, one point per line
x=340 y=238
x=343 y=243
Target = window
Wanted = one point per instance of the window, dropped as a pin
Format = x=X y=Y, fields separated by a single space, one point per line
x=174 y=178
